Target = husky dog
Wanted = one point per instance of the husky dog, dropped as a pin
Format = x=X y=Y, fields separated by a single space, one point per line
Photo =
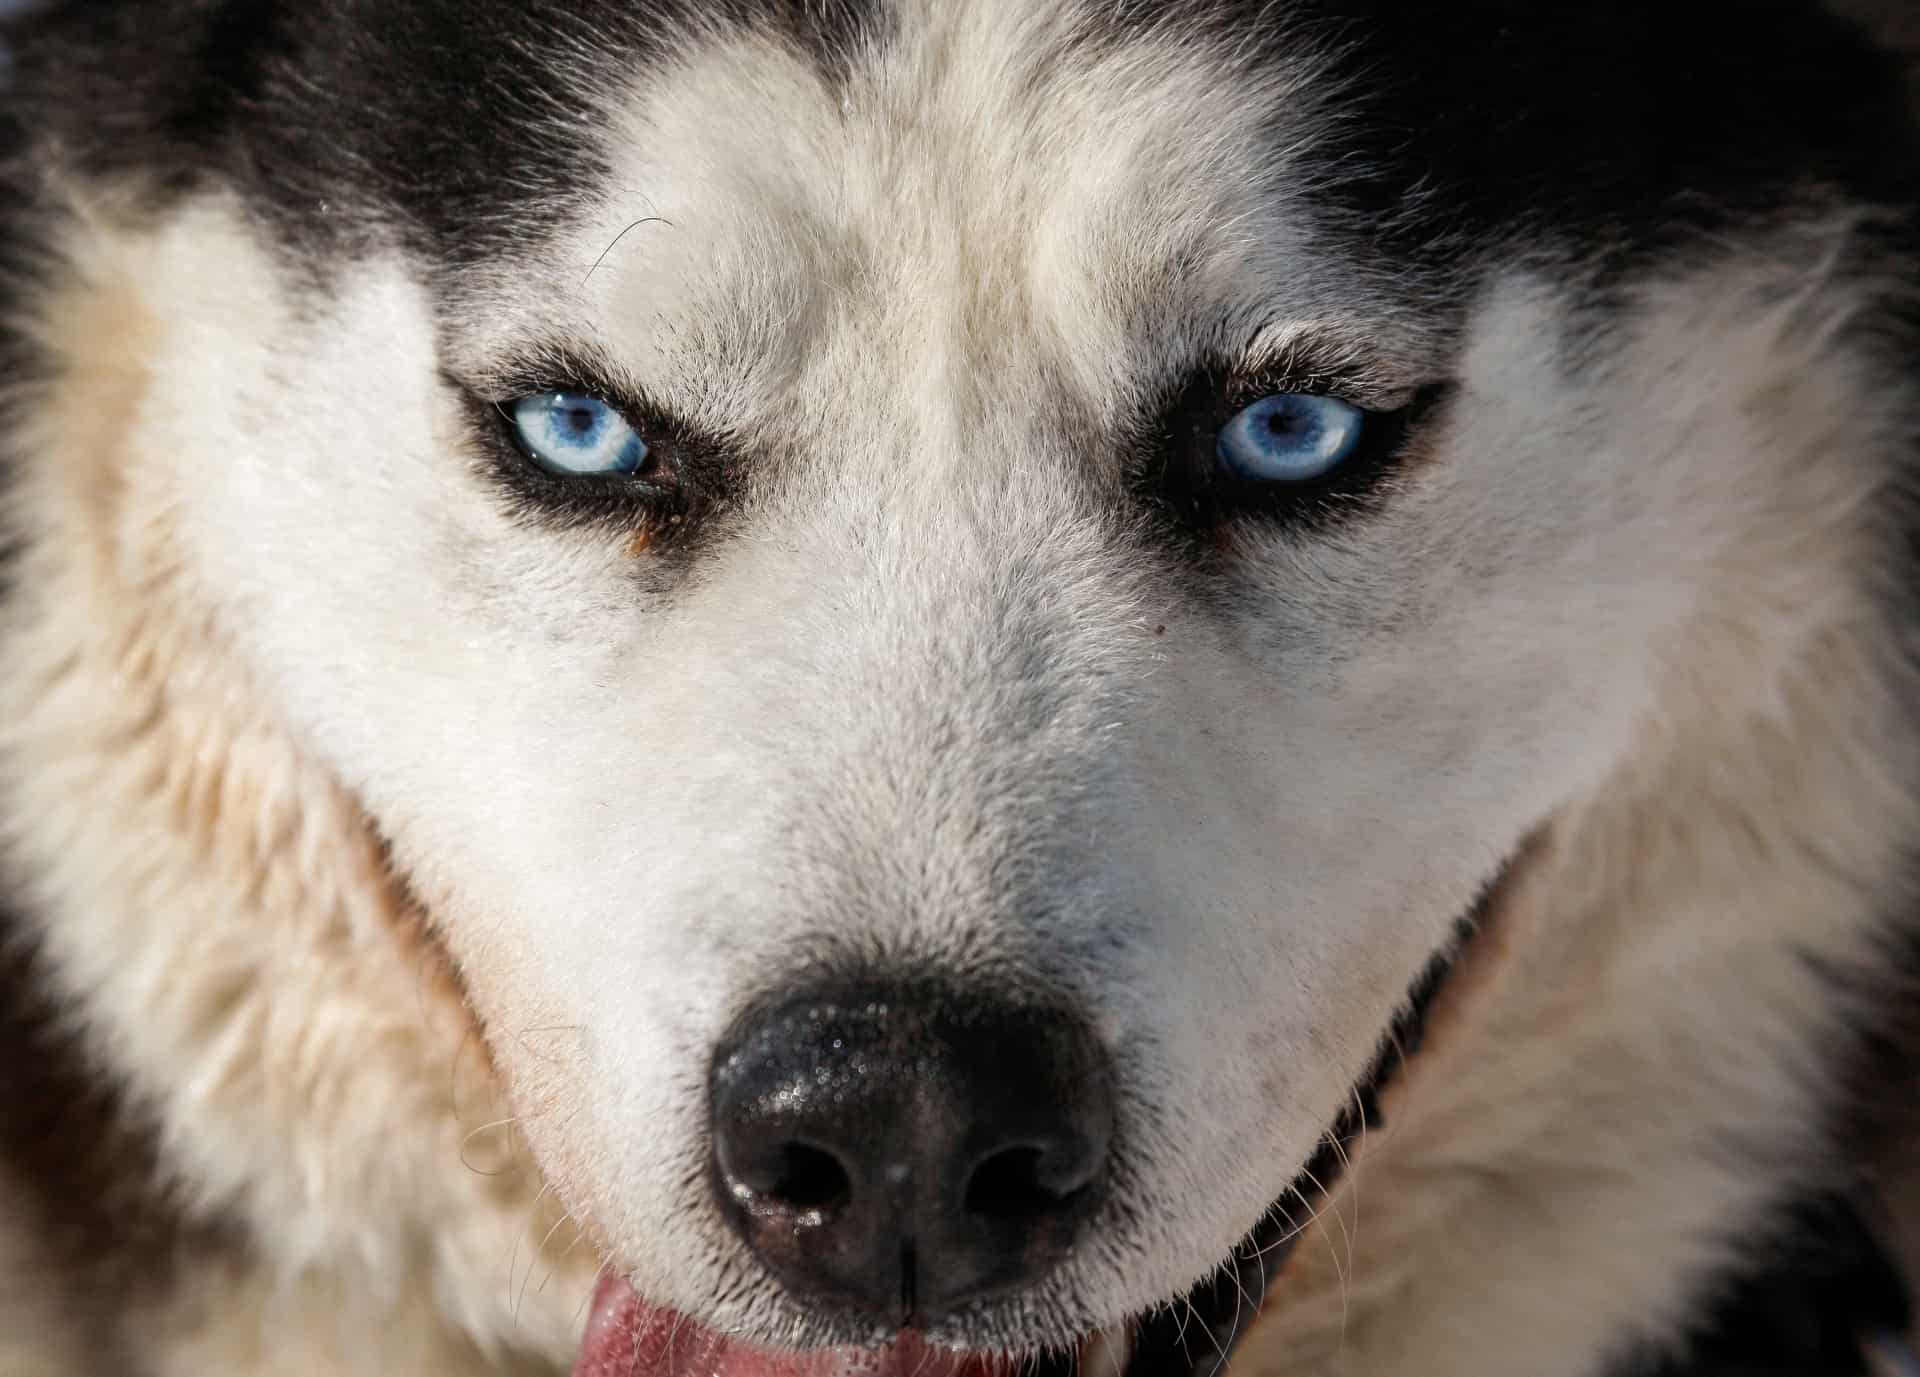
x=861 y=688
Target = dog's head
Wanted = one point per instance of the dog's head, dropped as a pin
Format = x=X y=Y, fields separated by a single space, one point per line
x=948 y=604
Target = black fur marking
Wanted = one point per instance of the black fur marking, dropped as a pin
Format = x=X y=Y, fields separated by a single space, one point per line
x=79 y=1162
x=1822 y=1282
x=1605 y=131
x=1471 y=126
x=463 y=126
x=81 y=1165
x=1460 y=135
x=20 y=364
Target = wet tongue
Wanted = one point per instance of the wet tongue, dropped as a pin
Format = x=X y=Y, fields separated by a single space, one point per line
x=626 y=1337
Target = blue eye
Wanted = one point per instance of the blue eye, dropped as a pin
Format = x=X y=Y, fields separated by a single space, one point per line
x=1290 y=437
x=570 y=433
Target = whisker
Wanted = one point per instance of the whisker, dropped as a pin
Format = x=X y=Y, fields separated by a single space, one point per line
x=1328 y=1202
x=453 y=1071
x=1313 y=1214
x=539 y=1249
x=521 y=1039
x=643 y=220
x=1345 y=1181
x=1208 y=1331
x=466 y=1142
x=599 y=1274
x=513 y=1306
x=1333 y=1254
x=1181 y=1332
x=565 y=1253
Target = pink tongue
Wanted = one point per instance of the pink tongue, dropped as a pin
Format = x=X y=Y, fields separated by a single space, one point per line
x=626 y=1337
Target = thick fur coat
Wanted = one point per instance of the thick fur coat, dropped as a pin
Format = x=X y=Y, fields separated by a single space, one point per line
x=392 y=828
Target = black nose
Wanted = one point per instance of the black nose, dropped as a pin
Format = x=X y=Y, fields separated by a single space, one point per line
x=894 y=1152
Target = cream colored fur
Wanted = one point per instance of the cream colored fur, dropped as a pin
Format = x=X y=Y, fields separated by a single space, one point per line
x=1627 y=606
x=223 y=923
x=1643 y=1051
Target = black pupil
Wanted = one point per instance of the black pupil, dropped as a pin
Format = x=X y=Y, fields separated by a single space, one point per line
x=581 y=419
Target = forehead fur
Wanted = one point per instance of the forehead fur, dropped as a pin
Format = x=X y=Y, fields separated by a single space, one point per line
x=993 y=195
x=473 y=125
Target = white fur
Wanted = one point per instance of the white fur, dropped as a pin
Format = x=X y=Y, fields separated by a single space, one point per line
x=219 y=912
x=269 y=613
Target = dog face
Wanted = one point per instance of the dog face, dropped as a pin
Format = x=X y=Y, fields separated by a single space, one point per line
x=942 y=636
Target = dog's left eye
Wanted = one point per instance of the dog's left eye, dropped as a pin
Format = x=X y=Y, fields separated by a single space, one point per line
x=1290 y=437
x=573 y=434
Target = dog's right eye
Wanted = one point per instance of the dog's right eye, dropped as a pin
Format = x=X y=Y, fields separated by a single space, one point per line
x=1277 y=446
x=1290 y=437
x=572 y=434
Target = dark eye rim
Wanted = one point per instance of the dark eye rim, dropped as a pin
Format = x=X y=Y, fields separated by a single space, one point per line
x=1189 y=486
x=686 y=471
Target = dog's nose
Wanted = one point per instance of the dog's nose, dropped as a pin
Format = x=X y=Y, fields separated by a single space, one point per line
x=894 y=1153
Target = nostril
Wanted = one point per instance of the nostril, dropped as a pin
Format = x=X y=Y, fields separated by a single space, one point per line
x=1024 y=1182
x=766 y=1175
x=901 y=1152
x=808 y=1179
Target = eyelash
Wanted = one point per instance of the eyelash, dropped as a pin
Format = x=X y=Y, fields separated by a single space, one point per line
x=688 y=472
x=1185 y=482
x=682 y=476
